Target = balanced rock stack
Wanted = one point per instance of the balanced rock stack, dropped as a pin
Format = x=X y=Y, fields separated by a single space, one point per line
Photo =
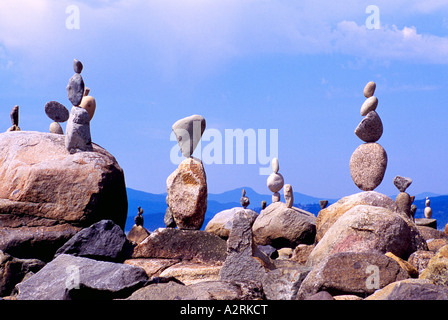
x=275 y=181
x=58 y=113
x=187 y=185
x=403 y=200
x=369 y=161
x=77 y=137
x=14 y=119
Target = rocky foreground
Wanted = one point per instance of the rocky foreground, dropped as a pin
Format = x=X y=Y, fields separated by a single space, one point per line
x=358 y=248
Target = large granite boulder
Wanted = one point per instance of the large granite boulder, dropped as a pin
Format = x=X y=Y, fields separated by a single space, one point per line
x=280 y=226
x=368 y=228
x=44 y=187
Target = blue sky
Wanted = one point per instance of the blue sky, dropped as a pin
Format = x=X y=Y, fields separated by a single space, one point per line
x=295 y=66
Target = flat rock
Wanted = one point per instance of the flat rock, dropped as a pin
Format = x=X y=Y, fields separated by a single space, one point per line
x=367 y=228
x=329 y=215
x=188 y=132
x=370 y=129
x=56 y=111
x=152 y=266
x=369 y=89
x=103 y=240
x=192 y=272
x=187 y=194
x=280 y=226
x=369 y=105
x=40 y=242
x=43 y=185
x=350 y=273
x=69 y=277
x=221 y=223
x=75 y=89
x=425 y=222
x=367 y=166
x=194 y=245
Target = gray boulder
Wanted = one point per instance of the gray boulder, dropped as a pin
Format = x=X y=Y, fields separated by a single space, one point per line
x=68 y=277
x=103 y=240
x=221 y=223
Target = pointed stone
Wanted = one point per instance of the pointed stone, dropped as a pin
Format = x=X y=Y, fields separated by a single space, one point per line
x=402 y=183
x=188 y=133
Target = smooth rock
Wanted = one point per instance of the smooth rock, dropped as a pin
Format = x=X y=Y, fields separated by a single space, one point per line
x=15 y=116
x=275 y=182
x=280 y=226
x=370 y=129
x=275 y=165
x=275 y=197
x=75 y=89
x=369 y=89
x=77 y=66
x=367 y=166
x=103 y=240
x=188 y=132
x=350 y=273
x=367 y=228
x=404 y=202
x=328 y=216
x=56 y=128
x=89 y=103
x=411 y=289
x=221 y=223
x=369 y=105
x=69 y=277
x=40 y=181
x=187 y=194
x=194 y=245
x=428 y=212
x=402 y=183
x=77 y=137
x=56 y=111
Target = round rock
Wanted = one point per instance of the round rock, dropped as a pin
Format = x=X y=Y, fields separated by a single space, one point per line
x=275 y=182
x=77 y=66
x=367 y=166
x=369 y=105
x=89 y=103
x=369 y=89
x=370 y=129
x=56 y=111
x=75 y=89
x=56 y=128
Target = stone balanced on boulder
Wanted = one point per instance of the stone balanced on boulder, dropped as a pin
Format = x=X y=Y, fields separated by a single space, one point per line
x=14 y=119
x=77 y=137
x=187 y=185
x=275 y=181
x=58 y=113
x=403 y=200
x=369 y=161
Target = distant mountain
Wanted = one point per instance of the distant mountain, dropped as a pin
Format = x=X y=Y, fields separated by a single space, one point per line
x=154 y=205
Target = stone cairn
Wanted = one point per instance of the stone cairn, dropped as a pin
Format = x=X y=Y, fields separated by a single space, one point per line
x=138 y=233
x=58 y=113
x=275 y=181
x=403 y=200
x=428 y=210
x=244 y=200
x=14 y=119
x=187 y=185
x=77 y=137
x=369 y=161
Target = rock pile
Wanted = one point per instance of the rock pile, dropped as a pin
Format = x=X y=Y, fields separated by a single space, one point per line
x=369 y=161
